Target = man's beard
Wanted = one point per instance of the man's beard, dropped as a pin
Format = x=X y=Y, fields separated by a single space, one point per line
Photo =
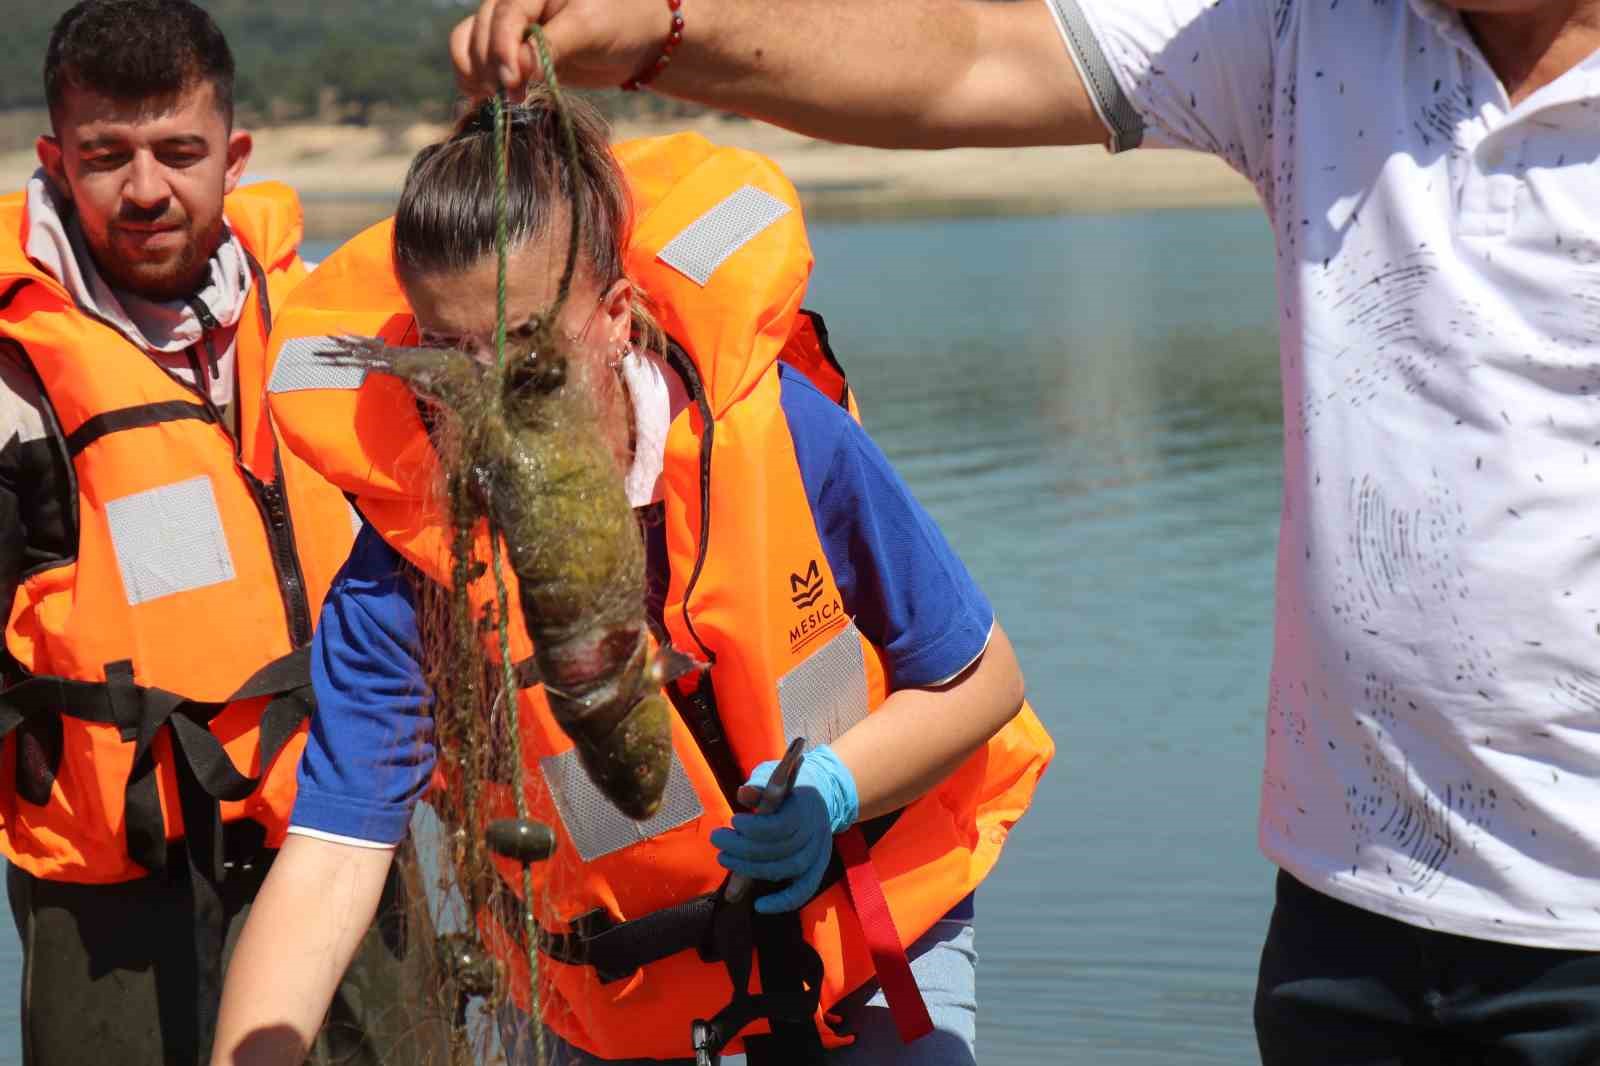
x=171 y=279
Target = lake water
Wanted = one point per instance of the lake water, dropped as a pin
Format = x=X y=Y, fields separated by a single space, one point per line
x=1090 y=408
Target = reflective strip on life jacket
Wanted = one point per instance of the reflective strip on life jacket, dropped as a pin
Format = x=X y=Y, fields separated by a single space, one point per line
x=707 y=242
x=311 y=363
x=169 y=540
x=822 y=697
x=593 y=823
x=826 y=693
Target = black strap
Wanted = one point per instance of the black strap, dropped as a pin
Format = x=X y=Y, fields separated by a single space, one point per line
x=263 y=299
x=791 y=969
x=791 y=987
x=11 y=292
x=617 y=950
x=143 y=827
x=90 y=701
x=40 y=744
x=820 y=328
x=730 y=939
x=698 y=709
x=136 y=417
x=680 y=361
x=206 y=775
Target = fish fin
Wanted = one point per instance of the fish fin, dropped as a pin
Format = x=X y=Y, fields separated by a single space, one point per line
x=670 y=664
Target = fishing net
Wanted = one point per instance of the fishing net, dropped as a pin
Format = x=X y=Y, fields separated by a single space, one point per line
x=532 y=491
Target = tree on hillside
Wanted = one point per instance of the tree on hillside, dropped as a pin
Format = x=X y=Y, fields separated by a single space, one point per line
x=292 y=53
x=288 y=51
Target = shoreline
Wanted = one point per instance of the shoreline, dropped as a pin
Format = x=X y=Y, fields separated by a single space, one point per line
x=348 y=176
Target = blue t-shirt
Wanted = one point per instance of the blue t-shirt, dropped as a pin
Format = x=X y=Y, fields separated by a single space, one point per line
x=370 y=753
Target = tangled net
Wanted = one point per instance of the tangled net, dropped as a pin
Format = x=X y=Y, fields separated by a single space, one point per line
x=518 y=448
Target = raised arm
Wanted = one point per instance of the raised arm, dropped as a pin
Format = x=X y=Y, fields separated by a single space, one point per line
x=888 y=73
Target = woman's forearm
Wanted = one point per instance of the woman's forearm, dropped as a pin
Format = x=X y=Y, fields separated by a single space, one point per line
x=918 y=737
x=304 y=927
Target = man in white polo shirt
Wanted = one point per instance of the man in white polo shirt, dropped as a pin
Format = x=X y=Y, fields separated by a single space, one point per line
x=1432 y=784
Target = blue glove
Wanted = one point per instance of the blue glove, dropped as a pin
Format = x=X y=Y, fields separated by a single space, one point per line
x=793 y=843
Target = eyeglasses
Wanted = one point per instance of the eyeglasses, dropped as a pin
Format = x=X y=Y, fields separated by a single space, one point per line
x=522 y=331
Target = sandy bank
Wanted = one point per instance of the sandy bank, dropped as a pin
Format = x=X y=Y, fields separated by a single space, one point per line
x=348 y=176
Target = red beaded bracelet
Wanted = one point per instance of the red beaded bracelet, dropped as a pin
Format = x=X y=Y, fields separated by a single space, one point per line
x=674 y=38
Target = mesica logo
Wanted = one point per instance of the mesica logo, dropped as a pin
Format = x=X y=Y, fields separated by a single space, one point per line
x=805 y=589
x=821 y=615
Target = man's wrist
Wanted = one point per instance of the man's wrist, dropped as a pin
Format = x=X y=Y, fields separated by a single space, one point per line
x=663 y=56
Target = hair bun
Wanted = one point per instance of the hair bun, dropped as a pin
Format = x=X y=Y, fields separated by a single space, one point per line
x=480 y=119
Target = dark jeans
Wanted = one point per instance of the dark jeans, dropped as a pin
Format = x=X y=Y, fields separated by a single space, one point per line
x=109 y=973
x=1340 y=985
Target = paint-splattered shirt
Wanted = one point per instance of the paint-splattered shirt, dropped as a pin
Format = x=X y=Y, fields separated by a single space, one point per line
x=1433 y=748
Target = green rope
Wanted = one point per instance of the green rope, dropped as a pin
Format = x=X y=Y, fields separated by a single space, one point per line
x=502 y=122
x=509 y=687
x=508 y=679
x=571 y=138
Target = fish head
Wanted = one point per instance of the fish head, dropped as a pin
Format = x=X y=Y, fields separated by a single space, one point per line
x=536 y=364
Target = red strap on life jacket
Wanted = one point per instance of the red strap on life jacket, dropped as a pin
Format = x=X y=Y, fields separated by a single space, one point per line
x=910 y=1013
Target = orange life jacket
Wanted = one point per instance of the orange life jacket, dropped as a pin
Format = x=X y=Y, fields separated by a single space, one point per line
x=720 y=246
x=167 y=661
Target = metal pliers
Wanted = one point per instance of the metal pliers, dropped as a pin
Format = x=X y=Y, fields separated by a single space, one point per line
x=730 y=934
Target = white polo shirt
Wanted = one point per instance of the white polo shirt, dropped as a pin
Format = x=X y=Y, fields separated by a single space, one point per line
x=1433 y=749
